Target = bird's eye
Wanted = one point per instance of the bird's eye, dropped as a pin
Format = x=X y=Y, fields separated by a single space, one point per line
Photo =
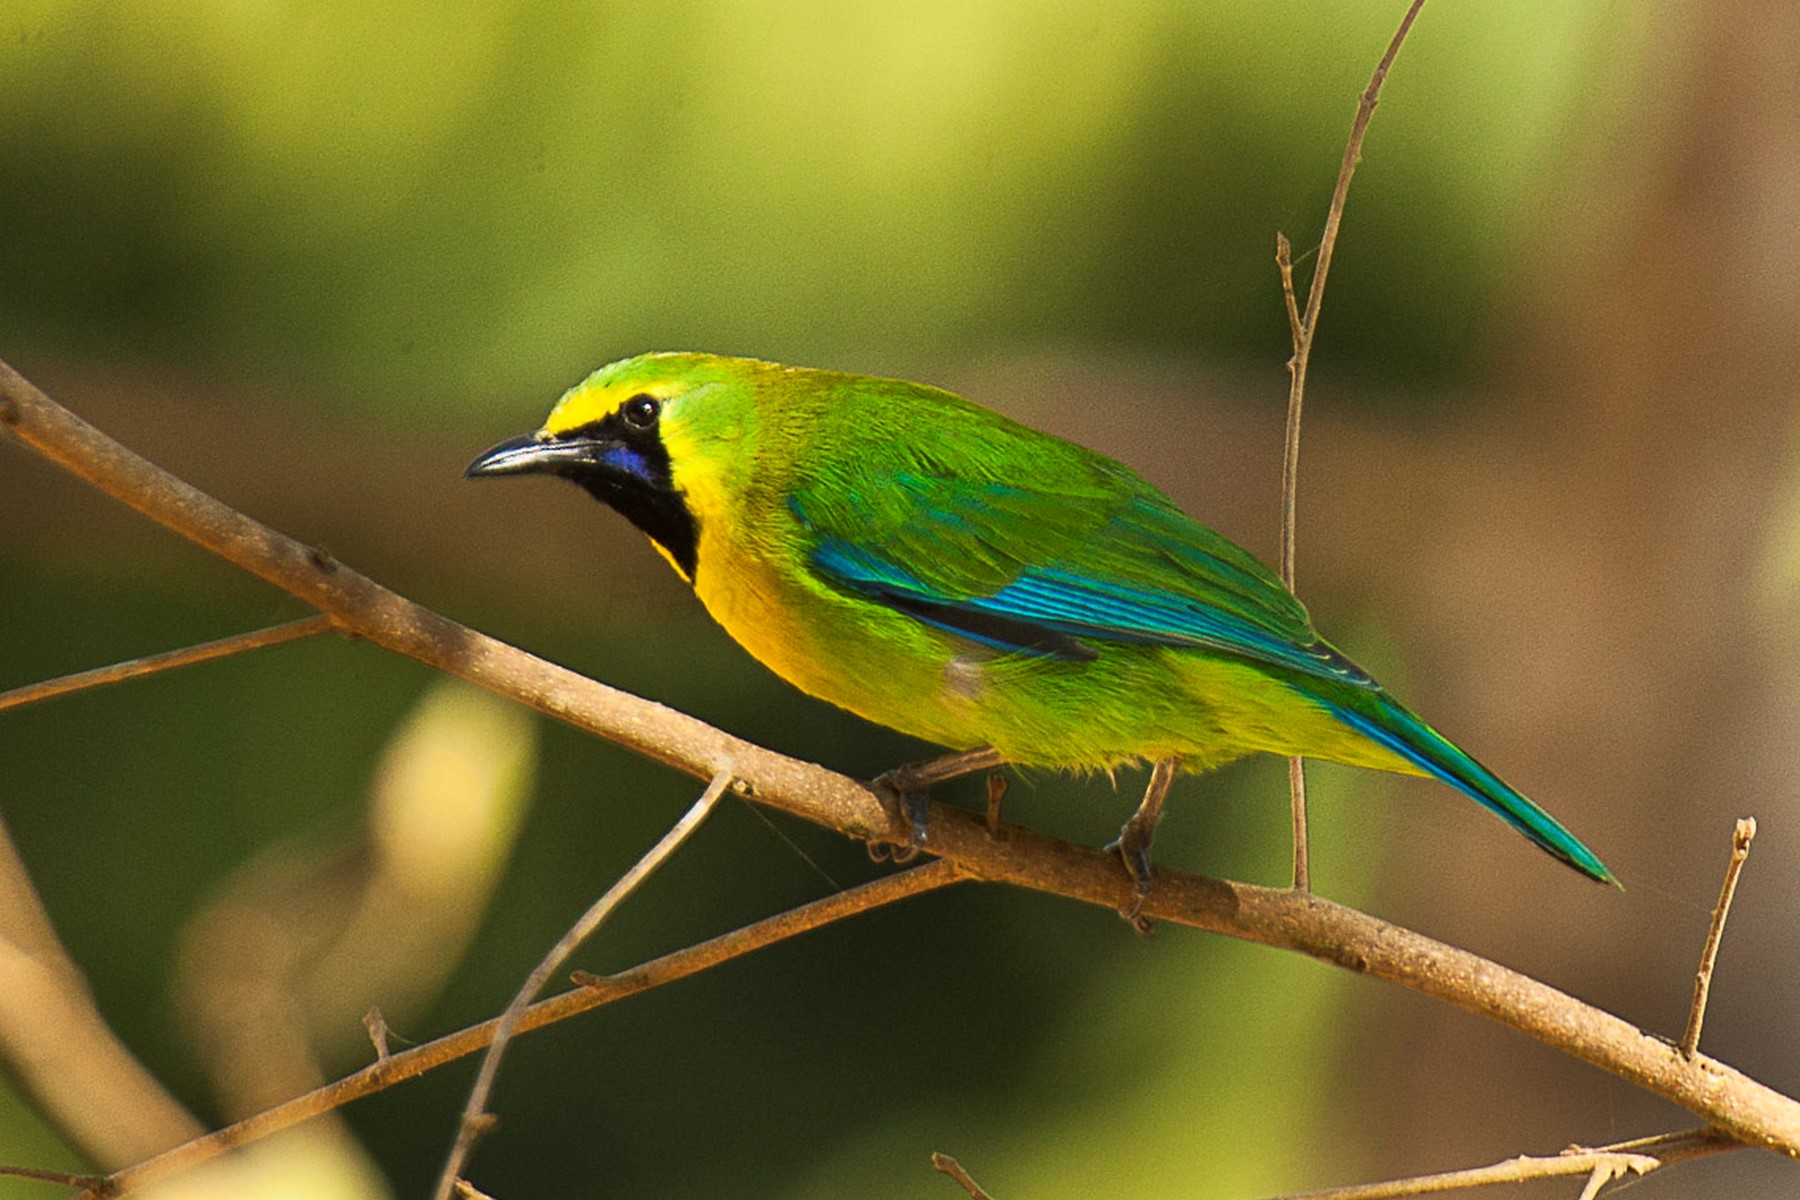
x=641 y=411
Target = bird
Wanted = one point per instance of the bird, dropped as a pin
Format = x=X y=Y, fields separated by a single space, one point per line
x=941 y=569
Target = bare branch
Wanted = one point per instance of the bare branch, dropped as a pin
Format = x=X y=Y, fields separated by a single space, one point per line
x=1305 y=327
x=1297 y=810
x=1601 y=1165
x=594 y=991
x=475 y=1117
x=133 y=668
x=41 y=1176
x=1741 y=838
x=1302 y=329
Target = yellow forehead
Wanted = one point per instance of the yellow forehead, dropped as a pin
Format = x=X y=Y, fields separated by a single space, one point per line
x=592 y=400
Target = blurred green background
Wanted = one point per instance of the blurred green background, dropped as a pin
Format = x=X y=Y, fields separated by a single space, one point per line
x=314 y=257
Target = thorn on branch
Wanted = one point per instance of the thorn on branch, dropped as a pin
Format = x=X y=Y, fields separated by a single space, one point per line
x=322 y=559
x=377 y=1026
x=1284 y=262
x=949 y=1166
x=1741 y=837
x=996 y=788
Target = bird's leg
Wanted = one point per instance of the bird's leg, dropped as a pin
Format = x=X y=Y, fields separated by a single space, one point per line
x=1135 y=836
x=908 y=789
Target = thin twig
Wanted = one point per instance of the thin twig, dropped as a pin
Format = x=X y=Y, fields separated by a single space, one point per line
x=1741 y=837
x=593 y=992
x=1302 y=328
x=41 y=1176
x=949 y=1166
x=475 y=1117
x=1297 y=810
x=1302 y=922
x=1601 y=1164
x=133 y=668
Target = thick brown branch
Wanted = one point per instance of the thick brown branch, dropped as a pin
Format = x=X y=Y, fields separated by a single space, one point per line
x=1291 y=920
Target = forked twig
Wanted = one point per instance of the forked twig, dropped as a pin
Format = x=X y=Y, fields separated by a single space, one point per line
x=1601 y=1164
x=1741 y=837
x=1302 y=327
x=475 y=1118
x=593 y=992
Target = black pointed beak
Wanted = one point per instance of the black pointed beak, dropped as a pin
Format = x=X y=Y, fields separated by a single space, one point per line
x=528 y=454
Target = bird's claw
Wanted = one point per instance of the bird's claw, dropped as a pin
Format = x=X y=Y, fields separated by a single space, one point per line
x=1133 y=848
x=910 y=809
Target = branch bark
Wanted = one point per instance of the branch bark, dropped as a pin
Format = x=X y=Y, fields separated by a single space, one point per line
x=1719 y=1094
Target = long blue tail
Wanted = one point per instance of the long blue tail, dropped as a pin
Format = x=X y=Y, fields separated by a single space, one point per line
x=1388 y=723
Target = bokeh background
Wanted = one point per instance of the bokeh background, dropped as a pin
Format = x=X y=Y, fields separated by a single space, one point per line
x=314 y=257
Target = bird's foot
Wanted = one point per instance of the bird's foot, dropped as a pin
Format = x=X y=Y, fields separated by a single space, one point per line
x=909 y=808
x=905 y=792
x=1133 y=848
x=1133 y=842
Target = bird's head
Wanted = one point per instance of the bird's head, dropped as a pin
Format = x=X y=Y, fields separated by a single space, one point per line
x=651 y=436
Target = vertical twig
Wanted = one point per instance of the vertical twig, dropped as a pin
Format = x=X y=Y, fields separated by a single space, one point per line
x=1302 y=327
x=475 y=1118
x=1741 y=838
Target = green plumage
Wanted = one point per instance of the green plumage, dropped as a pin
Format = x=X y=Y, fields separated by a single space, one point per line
x=940 y=569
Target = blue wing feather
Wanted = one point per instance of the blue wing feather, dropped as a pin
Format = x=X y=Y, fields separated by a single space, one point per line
x=1134 y=579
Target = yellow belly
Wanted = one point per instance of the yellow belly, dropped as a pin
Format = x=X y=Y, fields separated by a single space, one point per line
x=1133 y=703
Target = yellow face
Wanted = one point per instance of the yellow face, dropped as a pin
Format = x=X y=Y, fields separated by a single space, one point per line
x=658 y=437
x=596 y=398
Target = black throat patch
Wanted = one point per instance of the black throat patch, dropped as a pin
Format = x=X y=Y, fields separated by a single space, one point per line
x=630 y=473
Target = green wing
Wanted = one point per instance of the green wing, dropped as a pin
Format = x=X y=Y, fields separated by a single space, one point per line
x=1082 y=553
